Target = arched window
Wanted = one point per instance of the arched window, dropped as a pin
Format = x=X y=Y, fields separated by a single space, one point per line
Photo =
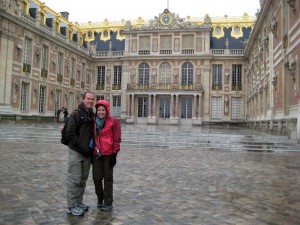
x=143 y=74
x=187 y=73
x=165 y=73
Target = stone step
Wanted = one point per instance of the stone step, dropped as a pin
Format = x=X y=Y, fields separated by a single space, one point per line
x=166 y=137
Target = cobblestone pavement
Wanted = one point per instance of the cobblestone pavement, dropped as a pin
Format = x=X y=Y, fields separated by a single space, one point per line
x=154 y=187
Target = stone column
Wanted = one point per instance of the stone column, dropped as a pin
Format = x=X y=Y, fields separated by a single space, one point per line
x=154 y=106
x=149 y=106
x=176 y=107
x=128 y=106
x=200 y=107
x=172 y=107
x=194 y=107
x=6 y=66
x=132 y=106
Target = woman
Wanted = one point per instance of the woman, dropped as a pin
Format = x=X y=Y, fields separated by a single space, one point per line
x=107 y=132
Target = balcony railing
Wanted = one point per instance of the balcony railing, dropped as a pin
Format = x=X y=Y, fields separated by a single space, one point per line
x=228 y=52
x=26 y=68
x=217 y=87
x=59 y=78
x=236 y=87
x=72 y=82
x=44 y=73
x=116 y=86
x=188 y=52
x=99 y=86
x=164 y=87
x=144 y=52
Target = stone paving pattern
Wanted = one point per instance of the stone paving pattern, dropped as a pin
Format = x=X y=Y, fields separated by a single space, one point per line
x=154 y=186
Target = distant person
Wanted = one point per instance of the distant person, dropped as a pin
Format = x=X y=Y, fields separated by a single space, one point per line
x=58 y=114
x=107 y=132
x=66 y=113
x=80 y=153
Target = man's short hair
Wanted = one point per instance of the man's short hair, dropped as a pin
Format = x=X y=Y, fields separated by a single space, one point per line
x=87 y=92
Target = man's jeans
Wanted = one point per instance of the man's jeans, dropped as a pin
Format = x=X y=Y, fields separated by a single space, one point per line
x=78 y=172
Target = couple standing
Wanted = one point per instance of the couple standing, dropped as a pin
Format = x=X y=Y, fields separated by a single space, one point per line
x=96 y=140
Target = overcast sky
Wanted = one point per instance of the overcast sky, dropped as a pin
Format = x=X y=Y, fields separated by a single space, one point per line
x=116 y=10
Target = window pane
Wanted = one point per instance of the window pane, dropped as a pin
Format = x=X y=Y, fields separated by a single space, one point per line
x=165 y=42
x=144 y=43
x=187 y=73
x=142 y=106
x=144 y=74
x=165 y=73
x=216 y=107
x=186 y=107
x=187 y=41
x=164 y=106
x=236 y=108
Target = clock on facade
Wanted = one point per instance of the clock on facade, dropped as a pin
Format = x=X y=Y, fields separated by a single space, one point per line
x=166 y=19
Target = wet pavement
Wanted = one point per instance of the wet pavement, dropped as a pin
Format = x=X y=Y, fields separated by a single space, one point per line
x=154 y=186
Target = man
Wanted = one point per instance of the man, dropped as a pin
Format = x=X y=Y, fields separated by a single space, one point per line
x=79 y=133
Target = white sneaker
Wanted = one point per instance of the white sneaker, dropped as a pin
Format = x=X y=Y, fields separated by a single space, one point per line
x=76 y=211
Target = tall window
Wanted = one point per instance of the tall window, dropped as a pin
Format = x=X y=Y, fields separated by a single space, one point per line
x=165 y=73
x=144 y=74
x=117 y=78
x=45 y=52
x=142 y=106
x=144 y=45
x=57 y=100
x=60 y=63
x=187 y=73
x=24 y=96
x=236 y=108
x=100 y=77
x=187 y=44
x=27 y=51
x=116 y=106
x=99 y=97
x=164 y=106
x=71 y=104
x=83 y=72
x=237 y=77
x=217 y=77
x=186 y=107
x=166 y=44
x=73 y=68
x=42 y=99
x=216 y=107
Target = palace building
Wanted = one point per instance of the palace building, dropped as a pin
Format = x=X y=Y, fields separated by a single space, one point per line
x=165 y=70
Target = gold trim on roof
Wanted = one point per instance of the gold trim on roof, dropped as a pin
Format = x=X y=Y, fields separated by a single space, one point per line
x=106 y=25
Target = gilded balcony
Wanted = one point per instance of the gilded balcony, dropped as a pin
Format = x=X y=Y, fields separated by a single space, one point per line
x=116 y=86
x=44 y=73
x=72 y=82
x=26 y=68
x=237 y=87
x=164 y=87
x=99 y=86
x=59 y=78
x=217 y=87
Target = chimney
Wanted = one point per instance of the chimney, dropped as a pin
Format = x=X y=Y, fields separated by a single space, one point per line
x=65 y=14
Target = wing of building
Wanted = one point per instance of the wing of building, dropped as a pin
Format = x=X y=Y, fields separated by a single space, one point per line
x=164 y=70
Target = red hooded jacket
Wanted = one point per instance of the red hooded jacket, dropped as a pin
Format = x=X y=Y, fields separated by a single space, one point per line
x=110 y=136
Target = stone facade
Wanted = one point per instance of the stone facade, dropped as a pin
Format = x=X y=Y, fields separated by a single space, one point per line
x=166 y=70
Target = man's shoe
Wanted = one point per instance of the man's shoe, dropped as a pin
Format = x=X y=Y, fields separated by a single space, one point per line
x=83 y=207
x=76 y=211
x=106 y=207
x=100 y=205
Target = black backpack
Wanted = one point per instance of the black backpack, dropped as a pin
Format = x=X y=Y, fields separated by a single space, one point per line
x=64 y=140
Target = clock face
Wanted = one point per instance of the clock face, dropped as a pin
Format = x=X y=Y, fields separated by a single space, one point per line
x=166 y=19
